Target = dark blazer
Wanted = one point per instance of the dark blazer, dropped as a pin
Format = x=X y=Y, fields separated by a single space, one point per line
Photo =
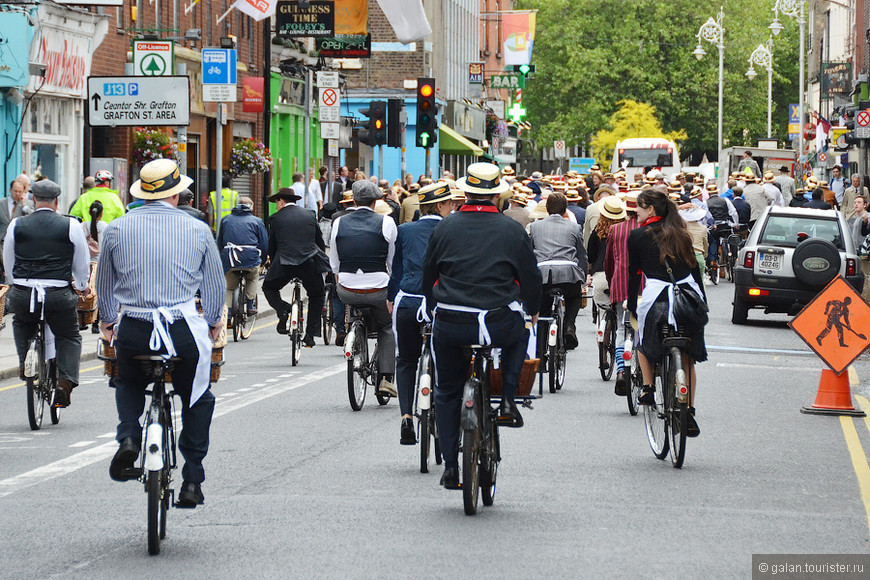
x=294 y=236
x=334 y=194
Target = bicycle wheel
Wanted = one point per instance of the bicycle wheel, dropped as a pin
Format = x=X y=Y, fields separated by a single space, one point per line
x=156 y=513
x=357 y=367
x=426 y=416
x=635 y=386
x=489 y=469
x=714 y=275
x=246 y=322
x=654 y=419
x=607 y=348
x=470 y=469
x=425 y=440
x=552 y=366
x=326 y=317
x=678 y=413
x=54 y=412
x=35 y=385
x=236 y=315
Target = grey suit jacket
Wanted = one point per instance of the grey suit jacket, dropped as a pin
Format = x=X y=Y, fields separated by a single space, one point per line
x=5 y=218
x=555 y=238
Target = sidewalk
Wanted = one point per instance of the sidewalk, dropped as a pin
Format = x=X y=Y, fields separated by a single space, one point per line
x=9 y=356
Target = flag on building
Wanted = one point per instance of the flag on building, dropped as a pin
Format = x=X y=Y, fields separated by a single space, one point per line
x=519 y=37
x=256 y=9
x=407 y=18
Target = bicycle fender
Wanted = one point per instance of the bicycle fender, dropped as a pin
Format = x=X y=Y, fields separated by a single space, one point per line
x=424 y=400
x=154 y=447
x=469 y=415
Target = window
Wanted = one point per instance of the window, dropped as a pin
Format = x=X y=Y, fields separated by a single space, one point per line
x=788 y=231
x=646 y=157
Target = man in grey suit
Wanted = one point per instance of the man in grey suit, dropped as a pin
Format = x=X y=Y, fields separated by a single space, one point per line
x=561 y=256
x=786 y=184
x=12 y=206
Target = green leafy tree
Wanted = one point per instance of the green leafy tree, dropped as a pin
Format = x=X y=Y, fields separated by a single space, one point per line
x=632 y=119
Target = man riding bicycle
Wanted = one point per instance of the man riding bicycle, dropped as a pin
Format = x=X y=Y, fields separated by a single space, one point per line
x=479 y=266
x=244 y=245
x=725 y=217
x=43 y=252
x=152 y=263
x=361 y=255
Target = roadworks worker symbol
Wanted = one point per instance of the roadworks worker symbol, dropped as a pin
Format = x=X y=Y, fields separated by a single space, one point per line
x=832 y=322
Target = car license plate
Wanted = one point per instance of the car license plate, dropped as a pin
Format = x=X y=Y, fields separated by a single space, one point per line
x=770 y=261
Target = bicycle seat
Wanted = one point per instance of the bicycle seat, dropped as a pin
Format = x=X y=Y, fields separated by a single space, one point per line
x=155 y=358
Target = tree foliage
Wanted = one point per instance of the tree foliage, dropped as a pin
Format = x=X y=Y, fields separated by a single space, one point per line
x=632 y=119
x=592 y=54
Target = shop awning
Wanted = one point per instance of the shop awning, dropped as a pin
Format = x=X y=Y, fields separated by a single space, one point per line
x=452 y=143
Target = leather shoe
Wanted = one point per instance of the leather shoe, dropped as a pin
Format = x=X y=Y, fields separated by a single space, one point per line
x=339 y=338
x=282 y=323
x=387 y=388
x=121 y=468
x=308 y=341
x=190 y=495
x=450 y=479
x=509 y=415
x=620 y=386
x=62 y=393
x=409 y=436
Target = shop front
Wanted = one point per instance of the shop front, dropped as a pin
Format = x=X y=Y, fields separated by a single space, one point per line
x=53 y=126
x=17 y=33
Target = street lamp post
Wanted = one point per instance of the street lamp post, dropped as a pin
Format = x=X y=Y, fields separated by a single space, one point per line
x=712 y=32
x=794 y=9
x=763 y=56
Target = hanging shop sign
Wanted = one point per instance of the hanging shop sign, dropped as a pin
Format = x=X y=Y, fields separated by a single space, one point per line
x=316 y=19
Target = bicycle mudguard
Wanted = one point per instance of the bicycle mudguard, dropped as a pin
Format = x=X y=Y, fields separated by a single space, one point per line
x=154 y=447
x=468 y=418
x=424 y=400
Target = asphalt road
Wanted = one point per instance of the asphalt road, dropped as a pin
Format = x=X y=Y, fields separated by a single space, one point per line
x=298 y=485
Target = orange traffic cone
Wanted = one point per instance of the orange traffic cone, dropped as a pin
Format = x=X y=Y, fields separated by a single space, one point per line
x=834 y=396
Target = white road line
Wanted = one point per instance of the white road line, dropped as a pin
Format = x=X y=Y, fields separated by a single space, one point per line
x=245 y=389
x=259 y=385
x=82 y=443
x=752 y=350
x=94 y=454
x=271 y=380
x=106 y=436
x=233 y=394
x=769 y=367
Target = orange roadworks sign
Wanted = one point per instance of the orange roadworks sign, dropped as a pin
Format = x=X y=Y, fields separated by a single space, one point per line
x=835 y=324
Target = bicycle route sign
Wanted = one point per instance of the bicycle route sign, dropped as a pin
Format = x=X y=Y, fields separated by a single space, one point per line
x=834 y=324
x=135 y=101
x=219 y=75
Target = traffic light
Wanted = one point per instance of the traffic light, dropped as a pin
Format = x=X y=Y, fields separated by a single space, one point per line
x=373 y=130
x=396 y=121
x=427 y=113
x=523 y=69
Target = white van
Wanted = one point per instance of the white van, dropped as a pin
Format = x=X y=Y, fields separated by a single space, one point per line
x=634 y=155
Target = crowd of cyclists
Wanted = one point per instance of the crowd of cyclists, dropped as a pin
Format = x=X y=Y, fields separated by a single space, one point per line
x=475 y=257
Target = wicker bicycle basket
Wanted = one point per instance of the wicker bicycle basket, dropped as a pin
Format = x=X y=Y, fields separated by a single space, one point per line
x=106 y=353
x=527 y=379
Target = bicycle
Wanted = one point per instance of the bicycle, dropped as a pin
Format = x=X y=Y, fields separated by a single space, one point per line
x=327 y=318
x=635 y=377
x=667 y=421
x=423 y=409
x=41 y=376
x=557 y=354
x=243 y=323
x=726 y=256
x=158 y=446
x=297 y=322
x=606 y=335
x=481 y=449
x=362 y=369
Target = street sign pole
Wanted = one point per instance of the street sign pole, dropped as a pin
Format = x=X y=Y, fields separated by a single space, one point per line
x=219 y=166
x=428 y=170
x=307 y=131
x=181 y=69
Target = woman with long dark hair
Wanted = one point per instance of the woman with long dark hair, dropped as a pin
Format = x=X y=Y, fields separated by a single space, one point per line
x=662 y=242
x=93 y=232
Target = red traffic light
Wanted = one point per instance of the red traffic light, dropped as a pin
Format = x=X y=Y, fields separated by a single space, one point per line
x=426 y=91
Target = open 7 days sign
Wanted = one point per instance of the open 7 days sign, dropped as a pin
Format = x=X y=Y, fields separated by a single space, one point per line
x=135 y=101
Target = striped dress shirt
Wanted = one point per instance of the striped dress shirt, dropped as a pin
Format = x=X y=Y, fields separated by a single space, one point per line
x=616 y=258
x=157 y=256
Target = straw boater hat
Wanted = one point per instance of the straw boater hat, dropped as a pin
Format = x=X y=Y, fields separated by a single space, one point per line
x=748 y=175
x=769 y=177
x=823 y=184
x=484 y=179
x=675 y=185
x=613 y=208
x=382 y=207
x=160 y=179
x=347 y=196
x=520 y=199
x=458 y=195
x=696 y=192
x=434 y=193
x=508 y=170
x=414 y=188
x=572 y=195
x=284 y=193
x=631 y=200
x=712 y=189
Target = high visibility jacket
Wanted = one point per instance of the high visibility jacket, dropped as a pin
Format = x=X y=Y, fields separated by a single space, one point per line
x=228 y=202
x=112 y=206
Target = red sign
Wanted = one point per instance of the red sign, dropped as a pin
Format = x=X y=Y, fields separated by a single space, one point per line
x=252 y=94
x=809 y=131
x=863 y=119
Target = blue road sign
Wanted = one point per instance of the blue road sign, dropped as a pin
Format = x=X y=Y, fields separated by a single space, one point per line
x=218 y=66
x=793 y=113
x=580 y=164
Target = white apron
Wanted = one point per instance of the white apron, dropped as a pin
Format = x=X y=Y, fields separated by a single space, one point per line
x=161 y=318
x=37 y=296
x=651 y=291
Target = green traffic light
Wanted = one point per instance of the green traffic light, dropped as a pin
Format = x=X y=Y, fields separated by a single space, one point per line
x=424 y=139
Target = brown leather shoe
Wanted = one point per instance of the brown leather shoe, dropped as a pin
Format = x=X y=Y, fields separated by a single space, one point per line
x=63 y=392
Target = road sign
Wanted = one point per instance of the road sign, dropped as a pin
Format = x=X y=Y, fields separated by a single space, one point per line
x=218 y=66
x=793 y=110
x=219 y=93
x=507 y=82
x=559 y=149
x=862 y=132
x=330 y=107
x=833 y=322
x=822 y=156
x=327 y=79
x=580 y=164
x=862 y=119
x=329 y=130
x=332 y=147
x=153 y=58
x=134 y=101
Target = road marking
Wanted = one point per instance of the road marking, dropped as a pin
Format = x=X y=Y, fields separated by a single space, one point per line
x=853 y=443
x=109 y=435
x=94 y=454
x=15 y=386
x=259 y=385
x=82 y=443
x=244 y=389
x=760 y=350
x=763 y=366
x=271 y=380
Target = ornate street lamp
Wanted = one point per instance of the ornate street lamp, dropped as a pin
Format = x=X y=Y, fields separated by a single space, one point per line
x=712 y=32
x=763 y=57
x=794 y=9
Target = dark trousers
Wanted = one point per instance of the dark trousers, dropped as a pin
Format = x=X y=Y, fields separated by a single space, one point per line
x=452 y=332
x=383 y=323
x=337 y=305
x=573 y=294
x=60 y=317
x=131 y=339
x=409 y=342
x=280 y=275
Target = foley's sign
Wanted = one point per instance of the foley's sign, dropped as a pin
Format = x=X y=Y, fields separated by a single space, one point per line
x=315 y=19
x=135 y=101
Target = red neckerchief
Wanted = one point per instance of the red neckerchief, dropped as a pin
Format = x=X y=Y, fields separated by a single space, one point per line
x=485 y=206
x=651 y=220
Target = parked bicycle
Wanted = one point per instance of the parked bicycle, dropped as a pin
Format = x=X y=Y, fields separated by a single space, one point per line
x=241 y=321
x=423 y=409
x=41 y=374
x=362 y=368
x=667 y=421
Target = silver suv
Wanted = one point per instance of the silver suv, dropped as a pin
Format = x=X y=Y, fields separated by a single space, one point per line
x=789 y=256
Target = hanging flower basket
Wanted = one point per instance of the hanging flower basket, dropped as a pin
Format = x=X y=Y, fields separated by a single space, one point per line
x=249 y=156
x=151 y=144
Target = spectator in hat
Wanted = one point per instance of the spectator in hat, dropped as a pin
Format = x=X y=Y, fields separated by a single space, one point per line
x=517 y=210
x=786 y=184
x=185 y=201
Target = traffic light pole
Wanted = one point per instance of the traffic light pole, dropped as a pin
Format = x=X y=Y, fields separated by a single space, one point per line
x=381 y=162
x=428 y=169
x=307 y=133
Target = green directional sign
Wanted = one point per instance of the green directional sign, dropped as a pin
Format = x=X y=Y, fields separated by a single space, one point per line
x=507 y=81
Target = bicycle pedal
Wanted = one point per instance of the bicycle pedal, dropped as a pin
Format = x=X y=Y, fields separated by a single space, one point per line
x=527 y=404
